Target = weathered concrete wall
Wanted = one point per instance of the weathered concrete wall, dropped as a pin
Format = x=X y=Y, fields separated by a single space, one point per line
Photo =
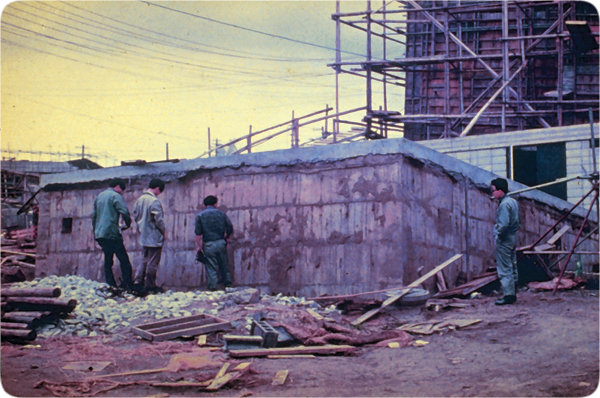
x=322 y=224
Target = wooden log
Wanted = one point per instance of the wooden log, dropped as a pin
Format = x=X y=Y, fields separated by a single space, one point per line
x=18 y=334
x=41 y=304
x=13 y=325
x=28 y=317
x=31 y=321
x=403 y=292
x=263 y=352
x=22 y=264
x=32 y=292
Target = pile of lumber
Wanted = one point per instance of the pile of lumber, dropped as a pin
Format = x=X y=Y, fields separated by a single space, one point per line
x=25 y=309
x=18 y=258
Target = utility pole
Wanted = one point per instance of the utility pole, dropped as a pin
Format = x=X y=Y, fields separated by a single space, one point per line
x=209 y=150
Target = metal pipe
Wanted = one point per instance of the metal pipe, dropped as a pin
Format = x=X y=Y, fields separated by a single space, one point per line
x=560 y=180
x=562 y=272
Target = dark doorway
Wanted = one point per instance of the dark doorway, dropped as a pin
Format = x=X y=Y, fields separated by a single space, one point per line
x=535 y=165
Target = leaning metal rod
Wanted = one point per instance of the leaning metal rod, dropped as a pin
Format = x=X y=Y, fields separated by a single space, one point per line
x=558 y=222
x=562 y=272
x=546 y=184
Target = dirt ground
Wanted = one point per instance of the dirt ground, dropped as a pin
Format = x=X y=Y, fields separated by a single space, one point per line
x=543 y=345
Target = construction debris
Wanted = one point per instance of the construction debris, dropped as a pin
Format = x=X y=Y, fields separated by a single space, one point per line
x=564 y=284
x=405 y=291
x=181 y=326
x=437 y=326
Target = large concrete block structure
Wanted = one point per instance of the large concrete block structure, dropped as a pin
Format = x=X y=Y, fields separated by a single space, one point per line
x=324 y=220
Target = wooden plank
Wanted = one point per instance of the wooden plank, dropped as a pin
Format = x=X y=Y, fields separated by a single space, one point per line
x=480 y=283
x=403 y=292
x=142 y=333
x=192 y=331
x=558 y=235
x=181 y=326
x=243 y=338
x=219 y=382
x=543 y=247
x=290 y=356
x=173 y=321
x=223 y=370
x=183 y=384
x=18 y=253
x=263 y=352
x=280 y=377
x=314 y=313
x=441 y=282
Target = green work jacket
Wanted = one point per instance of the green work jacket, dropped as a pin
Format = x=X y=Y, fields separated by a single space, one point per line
x=105 y=220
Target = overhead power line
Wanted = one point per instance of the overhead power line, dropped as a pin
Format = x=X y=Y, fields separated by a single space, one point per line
x=250 y=30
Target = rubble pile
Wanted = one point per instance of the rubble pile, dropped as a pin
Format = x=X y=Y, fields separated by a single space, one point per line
x=99 y=313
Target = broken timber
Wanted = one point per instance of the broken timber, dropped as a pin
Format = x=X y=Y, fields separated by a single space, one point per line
x=263 y=352
x=468 y=287
x=182 y=326
x=405 y=291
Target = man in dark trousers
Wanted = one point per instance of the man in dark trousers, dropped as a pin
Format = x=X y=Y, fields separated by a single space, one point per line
x=108 y=206
x=148 y=215
x=213 y=228
x=505 y=237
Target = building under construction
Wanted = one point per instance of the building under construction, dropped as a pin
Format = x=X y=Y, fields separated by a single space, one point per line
x=472 y=68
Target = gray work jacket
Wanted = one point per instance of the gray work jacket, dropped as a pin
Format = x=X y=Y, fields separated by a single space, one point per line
x=148 y=215
x=507 y=219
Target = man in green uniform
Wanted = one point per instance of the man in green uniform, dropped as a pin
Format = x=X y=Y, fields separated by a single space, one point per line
x=212 y=229
x=148 y=215
x=108 y=206
x=505 y=237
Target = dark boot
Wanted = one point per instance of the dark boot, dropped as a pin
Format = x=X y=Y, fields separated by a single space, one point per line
x=506 y=300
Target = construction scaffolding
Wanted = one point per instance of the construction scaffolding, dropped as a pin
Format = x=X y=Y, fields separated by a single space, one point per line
x=472 y=67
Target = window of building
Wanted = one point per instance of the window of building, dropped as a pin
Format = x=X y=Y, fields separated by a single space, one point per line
x=536 y=165
x=67 y=225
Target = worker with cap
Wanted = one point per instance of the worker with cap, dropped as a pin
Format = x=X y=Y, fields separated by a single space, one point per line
x=505 y=238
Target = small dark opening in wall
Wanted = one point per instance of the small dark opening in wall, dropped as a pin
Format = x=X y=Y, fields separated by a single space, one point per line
x=67 y=225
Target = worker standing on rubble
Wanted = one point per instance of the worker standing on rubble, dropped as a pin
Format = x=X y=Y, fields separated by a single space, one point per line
x=505 y=238
x=107 y=232
x=213 y=228
x=148 y=215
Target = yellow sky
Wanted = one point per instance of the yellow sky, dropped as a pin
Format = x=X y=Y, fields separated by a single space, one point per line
x=125 y=78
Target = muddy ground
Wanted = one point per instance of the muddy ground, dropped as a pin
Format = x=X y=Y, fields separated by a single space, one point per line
x=543 y=345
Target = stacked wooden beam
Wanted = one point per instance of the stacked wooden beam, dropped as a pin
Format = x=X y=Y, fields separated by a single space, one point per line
x=26 y=309
x=18 y=260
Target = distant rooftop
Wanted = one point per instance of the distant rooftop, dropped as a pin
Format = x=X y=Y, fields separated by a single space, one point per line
x=32 y=167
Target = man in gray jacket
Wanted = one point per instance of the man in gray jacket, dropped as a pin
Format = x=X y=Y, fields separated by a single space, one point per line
x=505 y=237
x=108 y=207
x=148 y=215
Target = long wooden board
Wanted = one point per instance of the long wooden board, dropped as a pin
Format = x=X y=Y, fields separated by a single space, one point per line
x=263 y=352
x=405 y=291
